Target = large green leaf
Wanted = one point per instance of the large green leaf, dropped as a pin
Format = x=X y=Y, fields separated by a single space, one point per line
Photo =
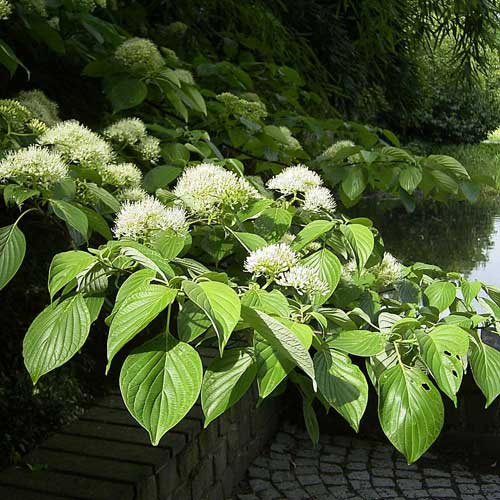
x=160 y=381
x=274 y=302
x=358 y=342
x=56 y=335
x=273 y=223
x=191 y=322
x=219 y=302
x=226 y=381
x=135 y=313
x=470 y=290
x=281 y=338
x=440 y=294
x=272 y=365
x=342 y=384
x=440 y=350
x=311 y=232
x=485 y=363
x=147 y=257
x=329 y=269
x=410 y=178
x=65 y=267
x=361 y=240
x=250 y=241
x=127 y=93
x=72 y=215
x=410 y=410
x=354 y=183
x=12 y=251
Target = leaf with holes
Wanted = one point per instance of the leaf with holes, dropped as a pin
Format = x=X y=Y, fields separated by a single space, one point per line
x=358 y=342
x=160 y=382
x=226 y=381
x=219 y=302
x=56 y=335
x=135 y=313
x=485 y=363
x=440 y=294
x=440 y=349
x=12 y=251
x=410 y=410
x=342 y=384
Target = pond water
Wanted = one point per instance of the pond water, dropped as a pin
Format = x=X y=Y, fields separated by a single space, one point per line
x=457 y=237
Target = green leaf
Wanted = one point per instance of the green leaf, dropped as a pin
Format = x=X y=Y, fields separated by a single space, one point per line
x=311 y=232
x=226 y=381
x=273 y=223
x=196 y=99
x=191 y=322
x=358 y=342
x=440 y=349
x=361 y=240
x=281 y=338
x=470 y=290
x=219 y=302
x=56 y=335
x=250 y=241
x=160 y=382
x=310 y=420
x=160 y=177
x=410 y=410
x=444 y=182
x=485 y=363
x=104 y=196
x=342 y=384
x=272 y=364
x=65 y=267
x=12 y=251
x=169 y=245
x=73 y=216
x=127 y=93
x=274 y=302
x=147 y=257
x=9 y=59
x=135 y=313
x=329 y=269
x=440 y=294
x=97 y=222
x=354 y=184
x=450 y=164
x=409 y=178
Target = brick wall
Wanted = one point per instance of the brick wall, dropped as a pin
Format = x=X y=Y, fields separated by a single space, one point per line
x=106 y=455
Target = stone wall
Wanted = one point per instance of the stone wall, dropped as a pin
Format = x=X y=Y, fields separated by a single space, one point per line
x=107 y=455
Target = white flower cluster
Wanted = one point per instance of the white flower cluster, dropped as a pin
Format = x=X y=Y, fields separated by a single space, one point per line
x=127 y=131
x=300 y=179
x=41 y=107
x=388 y=271
x=348 y=269
x=271 y=260
x=90 y=5
x=293 y=180
x=304 y=280
x=319 y=199
x=149 y=149
x=5 y=9
x=78 y=145
x=209 y=190
x=335 y=148
x=15 y=114
x=132 y=132
x=122 y=175
x=140 y=56
x=33 y=166
x=139 y=220
x=132 y=194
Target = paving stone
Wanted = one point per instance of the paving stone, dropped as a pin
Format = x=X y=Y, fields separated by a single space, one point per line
x=356 y=465
x=407 y=484
x=358 y=475
x=431 y=472
x=282 y=475
x=308 y=479
x=387 y=493
x=360 y=485
x=317 y=489
x=469 y=489
x=339 y=480
x=330 y=469
x=299 y=461
x=408 y=474
x=383 y=482
x=258 y=485
x=333 y=458
x=442 y=493
x=434 y=482
x=258 y=472
x=420 y=493
x=376 y=471
x=297 y=494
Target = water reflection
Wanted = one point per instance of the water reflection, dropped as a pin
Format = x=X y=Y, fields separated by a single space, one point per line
x=458 y=237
